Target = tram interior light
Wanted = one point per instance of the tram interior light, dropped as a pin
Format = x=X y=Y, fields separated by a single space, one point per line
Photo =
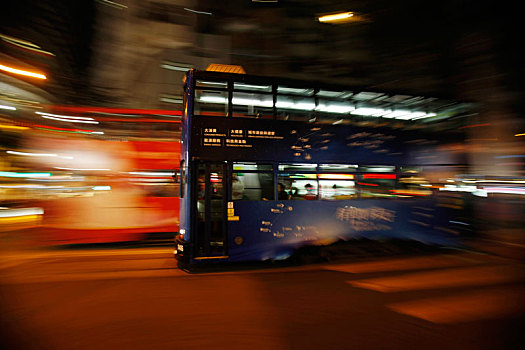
x=336 y=108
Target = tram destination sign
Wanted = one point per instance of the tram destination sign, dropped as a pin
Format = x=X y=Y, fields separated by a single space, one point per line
x=268 y=140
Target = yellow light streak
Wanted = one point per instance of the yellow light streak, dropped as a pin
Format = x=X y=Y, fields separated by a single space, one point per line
x=14 y=127
x=212 y=257
x=335 y=17
x=22 y=72
x=520 y=134
x=25 y=218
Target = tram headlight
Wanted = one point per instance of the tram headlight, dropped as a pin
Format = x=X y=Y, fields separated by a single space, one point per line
x=182 y=232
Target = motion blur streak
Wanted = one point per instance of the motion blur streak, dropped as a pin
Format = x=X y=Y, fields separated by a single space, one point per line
x=22 y=72
x=335 y=17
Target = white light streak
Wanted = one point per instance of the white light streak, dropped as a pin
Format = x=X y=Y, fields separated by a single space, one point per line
x=83 y=169
x=213 y=99
x=66 y=118
x=198 y=12
x=101 y=188
x=10 y=213
x=31 y=154
x=175 y=68
x=336 y=17
x=12 y=174
x=152 y=173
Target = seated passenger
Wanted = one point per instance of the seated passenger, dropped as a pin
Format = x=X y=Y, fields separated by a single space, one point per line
x=281 y=193
x=310 y=192
x=295 y=194
x=237 y=188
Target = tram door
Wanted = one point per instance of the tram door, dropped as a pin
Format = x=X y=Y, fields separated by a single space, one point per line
x=211 y=194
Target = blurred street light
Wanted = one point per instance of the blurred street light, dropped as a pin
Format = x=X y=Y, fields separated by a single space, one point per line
x=341 y=17
x=22 y=72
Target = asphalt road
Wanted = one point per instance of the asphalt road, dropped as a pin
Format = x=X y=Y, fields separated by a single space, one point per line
x=137 y=299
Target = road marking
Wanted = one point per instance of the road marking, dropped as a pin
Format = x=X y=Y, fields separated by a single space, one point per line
x=461 y=277
x=465 y=307
x=438 y=261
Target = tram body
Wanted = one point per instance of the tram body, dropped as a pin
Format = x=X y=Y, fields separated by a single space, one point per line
x=304 y=181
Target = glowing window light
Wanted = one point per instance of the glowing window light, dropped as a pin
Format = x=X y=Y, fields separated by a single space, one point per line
x=251 y=102
x=335 y=17
x=305 y=106
x=175 y=67
x=284 y=104
x=22 y=72
x=413 y=115
x=213 y=99
x=10 y=108
x=334 y=108
x=252 y=87
x=379 y=176
x=425 y=115
x=396 y=114
x=370 y=112
x=336 y=176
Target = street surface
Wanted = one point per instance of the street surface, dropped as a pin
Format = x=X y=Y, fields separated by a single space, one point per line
x=136 y=298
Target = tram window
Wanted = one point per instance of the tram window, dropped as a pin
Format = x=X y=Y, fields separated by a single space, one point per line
x=297 y=167
x=335 y=168
x=299 y=186
x=211 y=103
x=294 y=108
x=377 y=169
x=252 y=166
x=252 y=105
x=283 y=89
x=212 y=84
x=252 y=186
x=336 y=186
x=252 y=87
x=377 y=185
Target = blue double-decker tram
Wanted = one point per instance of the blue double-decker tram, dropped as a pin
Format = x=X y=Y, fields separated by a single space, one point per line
x=269 y=166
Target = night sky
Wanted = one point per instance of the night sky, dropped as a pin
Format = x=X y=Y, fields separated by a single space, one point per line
x=448 y=38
